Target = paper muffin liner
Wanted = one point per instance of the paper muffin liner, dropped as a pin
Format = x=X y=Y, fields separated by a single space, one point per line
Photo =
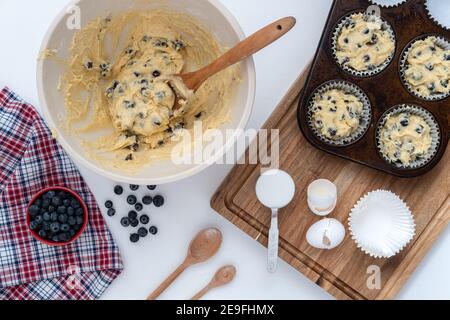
x=365 y=73
x=429 y=119
x=433 y=18
x=366 y=115
x=440 y=42
x=393 y=5
x=381 y=224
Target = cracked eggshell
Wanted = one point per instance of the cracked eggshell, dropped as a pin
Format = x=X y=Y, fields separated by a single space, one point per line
x=326 y=234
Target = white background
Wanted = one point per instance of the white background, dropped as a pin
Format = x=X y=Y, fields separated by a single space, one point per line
x=22 y=26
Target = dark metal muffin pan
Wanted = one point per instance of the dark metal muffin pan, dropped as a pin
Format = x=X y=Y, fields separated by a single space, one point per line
x=385 y=90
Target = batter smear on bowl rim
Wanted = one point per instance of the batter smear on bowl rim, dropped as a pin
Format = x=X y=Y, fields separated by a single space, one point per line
x=119 y=86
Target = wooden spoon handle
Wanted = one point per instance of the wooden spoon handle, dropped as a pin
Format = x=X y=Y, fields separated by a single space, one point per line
x=243 y=50
x=202 y=293
x=168 y=282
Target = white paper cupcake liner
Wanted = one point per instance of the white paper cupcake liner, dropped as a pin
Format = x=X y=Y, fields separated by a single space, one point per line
x=366 y=115
x=388 y=4
x=429 y=119
x=441 y=42
x=381 y=224
x=434 y=18
x=365 y=73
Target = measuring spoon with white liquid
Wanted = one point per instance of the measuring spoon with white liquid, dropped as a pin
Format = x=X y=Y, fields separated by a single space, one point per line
x=275 y=189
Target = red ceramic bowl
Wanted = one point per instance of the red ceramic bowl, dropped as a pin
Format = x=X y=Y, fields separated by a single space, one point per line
x=77 y=235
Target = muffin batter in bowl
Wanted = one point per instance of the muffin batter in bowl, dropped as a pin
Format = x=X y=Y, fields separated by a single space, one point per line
x=405 y=138
x=336 y=114
x=364 y=43
x=428 y=68
x=119 y=84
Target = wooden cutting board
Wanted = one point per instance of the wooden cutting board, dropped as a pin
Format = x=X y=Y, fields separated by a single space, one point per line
x=343 y=272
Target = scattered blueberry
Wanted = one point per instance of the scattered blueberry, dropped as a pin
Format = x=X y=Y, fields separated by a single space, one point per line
x=109 y=204
x=132 y=215
x=151 y=188
x=134 y=187
x=138 y=207
x=131 y=200
x=52 y=209
x=134 y=237
x=142 y=232
x=134 y=223
x=158 y=201
x=111 y=212
x=153 y=230
x=147 y=200
x=118 y=190
x=66 y=202
x=65 y=227
x=125 y=222
x=144 y=219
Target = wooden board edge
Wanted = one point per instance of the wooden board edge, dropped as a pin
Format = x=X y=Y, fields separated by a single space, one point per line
x=416 y=254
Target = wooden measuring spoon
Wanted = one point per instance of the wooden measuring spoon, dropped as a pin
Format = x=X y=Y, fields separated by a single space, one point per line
x=222 y=277
x=204 y=246
x=243 y=50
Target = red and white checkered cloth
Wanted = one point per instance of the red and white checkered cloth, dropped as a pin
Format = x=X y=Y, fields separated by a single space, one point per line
x=30 y=160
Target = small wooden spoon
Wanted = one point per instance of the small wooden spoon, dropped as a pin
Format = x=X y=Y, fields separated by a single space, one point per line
x=204 y=246
x=243 y=50
x=222 y=277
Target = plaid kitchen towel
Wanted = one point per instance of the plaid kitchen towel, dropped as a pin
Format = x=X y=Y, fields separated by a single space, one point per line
x=30 y=160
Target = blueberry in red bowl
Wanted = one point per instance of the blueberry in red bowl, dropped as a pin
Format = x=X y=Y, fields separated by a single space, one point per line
x=57 y=216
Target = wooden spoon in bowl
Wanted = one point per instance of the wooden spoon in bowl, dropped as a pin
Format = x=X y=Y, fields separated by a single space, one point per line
x=222 y=277
x=241 y=51
x=204 y=246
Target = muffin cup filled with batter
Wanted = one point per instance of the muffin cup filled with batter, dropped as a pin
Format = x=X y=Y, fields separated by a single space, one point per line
x=408 y=136
x=425 y=68
x=339 y=113
x=363 y=44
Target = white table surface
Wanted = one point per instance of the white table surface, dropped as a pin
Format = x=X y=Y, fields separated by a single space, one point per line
x=22 y=26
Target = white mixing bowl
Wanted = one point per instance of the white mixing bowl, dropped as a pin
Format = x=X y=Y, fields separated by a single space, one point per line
x=208 y=12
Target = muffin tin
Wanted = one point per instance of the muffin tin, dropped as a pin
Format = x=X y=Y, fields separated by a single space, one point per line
x=410 y=21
